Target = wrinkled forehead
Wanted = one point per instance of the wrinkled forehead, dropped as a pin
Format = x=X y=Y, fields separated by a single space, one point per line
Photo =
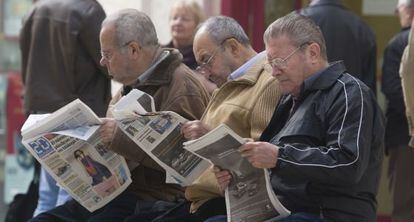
x=278 y=47
x=203 y=45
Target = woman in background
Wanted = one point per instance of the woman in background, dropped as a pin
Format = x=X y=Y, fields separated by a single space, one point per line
x=184 y=19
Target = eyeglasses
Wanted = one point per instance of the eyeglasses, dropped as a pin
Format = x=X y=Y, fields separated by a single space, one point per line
x=207 y=64
x=108 y=55
x=279 y=62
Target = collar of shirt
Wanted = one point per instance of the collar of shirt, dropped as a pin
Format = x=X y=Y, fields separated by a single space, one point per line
x=242 y=69
x=319 y=81
x=147 y=73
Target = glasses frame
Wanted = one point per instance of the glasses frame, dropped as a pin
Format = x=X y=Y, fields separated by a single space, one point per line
x=281 y=63
x=108 y=55
x=204 y=66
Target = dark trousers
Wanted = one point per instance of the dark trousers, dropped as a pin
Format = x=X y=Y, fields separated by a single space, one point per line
x=181 y=213
x=118 y=209
x=295 y=217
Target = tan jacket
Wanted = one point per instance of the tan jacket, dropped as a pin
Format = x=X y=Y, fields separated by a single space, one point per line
x=174 y=88
x=246 y=105
x=407 y=82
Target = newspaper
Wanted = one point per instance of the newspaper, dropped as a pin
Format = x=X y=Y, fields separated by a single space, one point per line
x=68 y=145
x=159 y=135
x=249 y=196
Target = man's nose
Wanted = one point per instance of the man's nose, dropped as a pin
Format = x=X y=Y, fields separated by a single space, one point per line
x=276 y=71
x=102 y=61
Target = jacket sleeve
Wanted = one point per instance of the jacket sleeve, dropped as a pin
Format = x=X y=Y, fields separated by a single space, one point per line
x=124 y=146
x=348 y=125
x=263 y=108
x=391 y=82
x=407 y=79
x=190 y=99
x=369 y=66
x=89 y=33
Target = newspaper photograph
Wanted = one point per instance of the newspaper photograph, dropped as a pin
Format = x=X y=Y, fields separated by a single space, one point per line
x=159 y=135
x=249 y=196
x=68 y=145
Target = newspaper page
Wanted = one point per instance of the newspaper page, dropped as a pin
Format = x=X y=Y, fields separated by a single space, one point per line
x=249 y=196
x=159 y=135
x=68 y=145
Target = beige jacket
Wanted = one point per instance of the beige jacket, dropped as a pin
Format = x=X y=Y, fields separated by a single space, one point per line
x=246 y=105
x=407 y=82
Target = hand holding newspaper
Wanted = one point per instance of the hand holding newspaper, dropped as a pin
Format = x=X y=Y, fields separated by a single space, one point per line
x=158 y=134
x=67 y=144
x=249 y=196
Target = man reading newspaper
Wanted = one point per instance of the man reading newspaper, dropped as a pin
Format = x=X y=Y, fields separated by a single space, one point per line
x=245 y=100
x=324 y=144
x=132 y=55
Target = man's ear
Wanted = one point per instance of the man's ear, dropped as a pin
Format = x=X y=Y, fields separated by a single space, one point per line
x=234 y=46
x=314 y=52
x=134 y=48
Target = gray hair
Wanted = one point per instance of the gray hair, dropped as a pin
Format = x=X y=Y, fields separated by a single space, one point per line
x=220 y=28
x=409 y=3
x=299 y=29
x=132 y=25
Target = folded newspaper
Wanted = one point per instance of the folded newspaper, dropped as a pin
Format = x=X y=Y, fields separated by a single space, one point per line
x=68 y=145
x=249 y=196
x=159 y=135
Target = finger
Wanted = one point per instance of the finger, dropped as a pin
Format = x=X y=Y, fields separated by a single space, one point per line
x=222 y=174
x=248 y=140
x=246 y=147
x=223 y=180
x=187 y=125
x=215 y=169
x=247 y=153
x=104 y=120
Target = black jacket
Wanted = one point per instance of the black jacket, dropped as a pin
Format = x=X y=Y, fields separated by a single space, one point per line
x=347 y=38
x=60 y=49
x=331 y=148
x=396 y=132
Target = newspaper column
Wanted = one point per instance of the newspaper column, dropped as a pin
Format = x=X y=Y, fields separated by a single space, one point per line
x=19 y=164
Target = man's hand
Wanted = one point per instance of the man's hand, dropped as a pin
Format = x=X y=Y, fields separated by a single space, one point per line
x=223 y=178
x=107 y=129
x=194 y=129
x=260 y=154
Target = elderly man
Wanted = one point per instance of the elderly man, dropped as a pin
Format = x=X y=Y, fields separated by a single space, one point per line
x=132 y=55
x=245 y=100
x=324 y=144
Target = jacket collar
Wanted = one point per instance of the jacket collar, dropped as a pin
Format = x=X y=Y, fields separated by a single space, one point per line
x=162 y=73
x=337 y=3
x=323 y=79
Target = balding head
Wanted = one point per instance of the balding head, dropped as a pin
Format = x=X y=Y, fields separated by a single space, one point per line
x=220 y=28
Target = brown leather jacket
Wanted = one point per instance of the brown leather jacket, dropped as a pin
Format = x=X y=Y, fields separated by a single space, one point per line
x=174 y=88
x=60 y=49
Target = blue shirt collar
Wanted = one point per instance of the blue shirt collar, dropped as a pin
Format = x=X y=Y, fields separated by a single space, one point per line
x=242 y=69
